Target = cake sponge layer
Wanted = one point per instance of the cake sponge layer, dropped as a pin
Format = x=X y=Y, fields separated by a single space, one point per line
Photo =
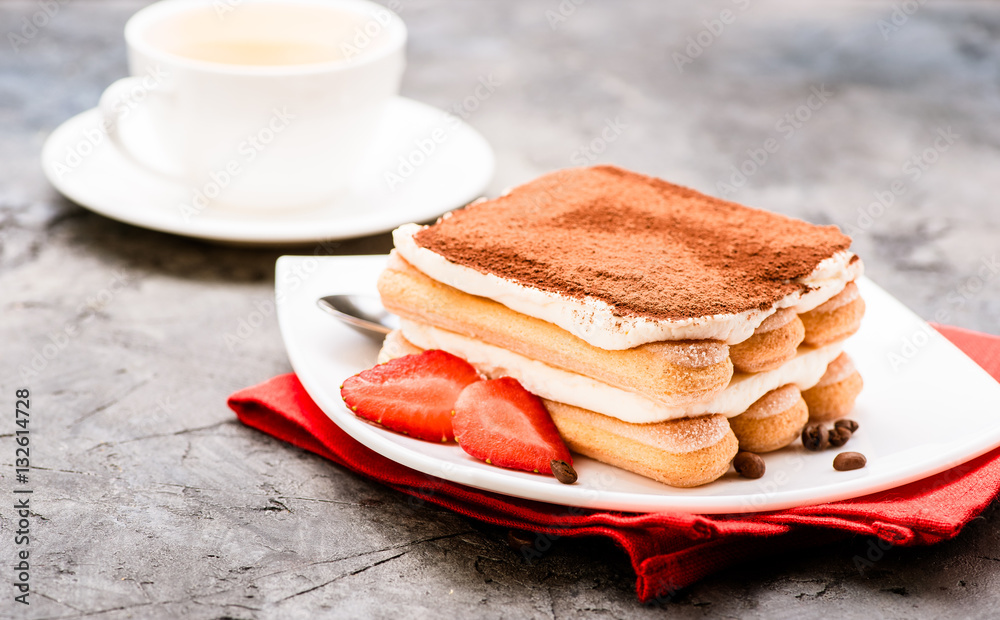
x=675 y=372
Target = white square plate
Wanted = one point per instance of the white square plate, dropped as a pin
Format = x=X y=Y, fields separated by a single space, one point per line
x=925 y=408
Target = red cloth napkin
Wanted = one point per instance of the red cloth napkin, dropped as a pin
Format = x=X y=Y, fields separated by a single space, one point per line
x=668 y=550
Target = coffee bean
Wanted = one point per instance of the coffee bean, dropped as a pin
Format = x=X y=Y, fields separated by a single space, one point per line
x=520 y=540
x=563 y=471
x=749 y=465
x=846 y=461
x=815 y=437
x=839 y=436
x=850 y=425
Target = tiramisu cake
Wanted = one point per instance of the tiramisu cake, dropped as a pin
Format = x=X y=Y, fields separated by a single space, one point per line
x=662 y=328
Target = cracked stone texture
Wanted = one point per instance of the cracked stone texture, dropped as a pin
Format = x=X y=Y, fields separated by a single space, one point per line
x=152 y=501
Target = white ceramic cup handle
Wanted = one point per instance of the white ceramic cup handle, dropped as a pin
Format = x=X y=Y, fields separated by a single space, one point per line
x=112 y=111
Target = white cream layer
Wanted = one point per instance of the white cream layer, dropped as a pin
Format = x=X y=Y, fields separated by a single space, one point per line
x=804 y=370
x=596 y=321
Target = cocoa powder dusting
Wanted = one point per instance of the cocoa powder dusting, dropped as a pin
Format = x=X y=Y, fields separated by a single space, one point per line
x=645 y=246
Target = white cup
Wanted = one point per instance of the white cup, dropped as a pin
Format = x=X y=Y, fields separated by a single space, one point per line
x=255 y=104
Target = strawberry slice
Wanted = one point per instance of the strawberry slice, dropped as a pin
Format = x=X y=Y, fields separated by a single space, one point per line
x=502 y=423
x=413 y=395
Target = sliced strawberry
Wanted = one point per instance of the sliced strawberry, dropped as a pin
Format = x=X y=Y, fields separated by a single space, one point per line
x=413 y=395
x=504 y=424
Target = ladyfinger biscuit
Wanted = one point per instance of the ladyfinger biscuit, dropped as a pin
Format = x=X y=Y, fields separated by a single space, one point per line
x=773 y=343
x=683 y=453
x=834 y=395
x=772 y=422
x=687 y=452
x=579 y=390
x=836 y=319
x=677 y=372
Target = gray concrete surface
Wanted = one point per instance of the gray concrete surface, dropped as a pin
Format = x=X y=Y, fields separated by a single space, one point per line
x=151 y=501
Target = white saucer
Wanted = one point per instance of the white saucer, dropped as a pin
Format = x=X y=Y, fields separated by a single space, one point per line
x=455 y=173
x=922 y=411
